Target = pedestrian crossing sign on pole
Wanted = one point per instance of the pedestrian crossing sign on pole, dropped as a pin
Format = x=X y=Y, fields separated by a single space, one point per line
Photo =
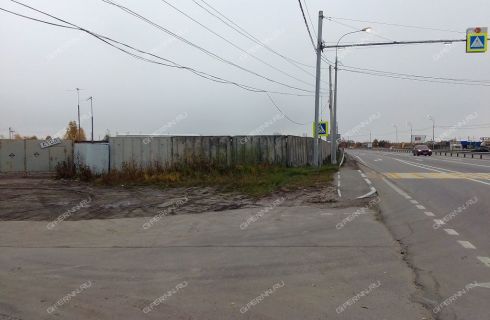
x=323 y=129
x=476 y=40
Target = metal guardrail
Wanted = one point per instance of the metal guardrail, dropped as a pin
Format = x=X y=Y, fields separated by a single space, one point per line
x=447 y=153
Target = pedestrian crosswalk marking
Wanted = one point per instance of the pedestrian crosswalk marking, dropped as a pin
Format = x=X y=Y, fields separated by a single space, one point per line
x=438 y=175
x=477 y=43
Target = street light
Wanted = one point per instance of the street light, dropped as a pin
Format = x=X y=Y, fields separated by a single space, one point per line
x=433 y=130
x=409 y=124
x=334 y=112
x=396 y=132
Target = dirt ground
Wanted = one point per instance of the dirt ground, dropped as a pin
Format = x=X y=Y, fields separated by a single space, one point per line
x=43 y=198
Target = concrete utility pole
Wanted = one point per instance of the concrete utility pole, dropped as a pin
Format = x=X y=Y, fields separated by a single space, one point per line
x=78 y=97
x=334 y=123
x=396 y=132
x=334 y=112
x=411 y=131
x=433 y=130
x=92 y=115
x=319 y=48
x=332 y=133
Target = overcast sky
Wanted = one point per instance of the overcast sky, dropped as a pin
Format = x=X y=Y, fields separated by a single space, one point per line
x=40 y=63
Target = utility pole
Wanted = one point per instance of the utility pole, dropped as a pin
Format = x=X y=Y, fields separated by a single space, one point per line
x=433 y=135
x=319 y=48
x=411 y=132
x=433 y=130
x=78 y=97
x=92 y=115
x=334 y=112
x=332 y=133
x=396 y=132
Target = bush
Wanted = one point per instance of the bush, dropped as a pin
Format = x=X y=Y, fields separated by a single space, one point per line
x=66 y=170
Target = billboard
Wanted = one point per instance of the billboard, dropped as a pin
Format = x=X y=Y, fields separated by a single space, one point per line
x=418 y=139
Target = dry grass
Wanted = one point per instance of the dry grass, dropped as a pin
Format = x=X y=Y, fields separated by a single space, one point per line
x=256 y=180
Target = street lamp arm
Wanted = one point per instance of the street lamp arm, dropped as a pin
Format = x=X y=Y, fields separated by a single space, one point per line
x=338 y=42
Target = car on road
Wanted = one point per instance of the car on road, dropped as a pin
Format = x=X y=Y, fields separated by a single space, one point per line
x=422 y=150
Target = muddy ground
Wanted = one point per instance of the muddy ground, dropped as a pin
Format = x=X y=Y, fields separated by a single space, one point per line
x=43 y=198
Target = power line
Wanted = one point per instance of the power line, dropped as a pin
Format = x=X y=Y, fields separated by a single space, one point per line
x=418 y=76
x=398 y=25
x=307 y=26
x=38 y=20
x=207 y=52
x=234 y=45
x=233 y=25
x=169 y=63
x=309 y=18
x=285 y=115
x=356 y=28
x=483 y=84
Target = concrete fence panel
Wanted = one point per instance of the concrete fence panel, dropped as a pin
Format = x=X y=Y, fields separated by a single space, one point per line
x=28 y=156
x=94 y=155
x=219 y=150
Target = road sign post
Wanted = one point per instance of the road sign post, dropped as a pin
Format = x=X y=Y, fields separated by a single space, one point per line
x=476 y=40
x=322 y=129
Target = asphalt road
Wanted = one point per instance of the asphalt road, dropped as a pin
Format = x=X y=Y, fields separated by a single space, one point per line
x=287 y=263
x=451 y=260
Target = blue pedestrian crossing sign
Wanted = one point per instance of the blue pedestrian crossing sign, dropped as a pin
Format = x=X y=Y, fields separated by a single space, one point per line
x=323 y=129
x=476 y=40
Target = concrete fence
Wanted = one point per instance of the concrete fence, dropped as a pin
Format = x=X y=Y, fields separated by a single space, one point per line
x=28 y=156
x=291 y=151
x=222 y=150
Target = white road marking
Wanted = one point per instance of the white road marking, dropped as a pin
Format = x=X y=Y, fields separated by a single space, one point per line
x=338 y=185
x=451 y=232
x=421 y=207
x=485 y=261
x=368 y=181
x=362 y=161
x=483 y=285
x=462 y=162
x=326 y=214
x=363 y=175
x=414 y=201
x=398 y=190
x=367 y=195
x=429 y=214
x=466 y=244
x=439 y=222
x=436 y=169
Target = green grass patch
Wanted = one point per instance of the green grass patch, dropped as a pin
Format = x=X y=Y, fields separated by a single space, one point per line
x=255 y=181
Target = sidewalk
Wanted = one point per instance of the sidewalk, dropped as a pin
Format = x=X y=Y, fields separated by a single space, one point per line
x=281 y=263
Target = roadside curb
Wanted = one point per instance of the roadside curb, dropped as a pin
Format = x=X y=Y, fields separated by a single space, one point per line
x=342 y=161
x=372 y=191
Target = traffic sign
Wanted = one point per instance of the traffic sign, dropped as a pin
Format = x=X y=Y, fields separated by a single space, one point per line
x=476 y=40
x=323 y=129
